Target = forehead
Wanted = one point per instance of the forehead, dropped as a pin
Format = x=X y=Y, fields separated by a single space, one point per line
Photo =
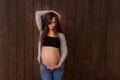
x=53 y=19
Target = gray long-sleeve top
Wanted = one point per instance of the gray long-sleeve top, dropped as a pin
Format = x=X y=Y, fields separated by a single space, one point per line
x=63 y=46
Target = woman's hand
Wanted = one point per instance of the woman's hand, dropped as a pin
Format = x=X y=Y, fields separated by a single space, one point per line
x=57 y=14
x=52 y=67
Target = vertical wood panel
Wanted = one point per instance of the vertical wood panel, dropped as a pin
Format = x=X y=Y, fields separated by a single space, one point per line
x=113 y=41
x=20 y=37
x=29 y=40
x=87 y=27
x=79 y=39
x=12 y=39
x=3 y=41
x=37 y=6
x=63 y=22
x=114 y=15
x=113 y=58
x=63 y=13
x=45 y=4
x=97 y=41
x=71 y=27
x=55 y=5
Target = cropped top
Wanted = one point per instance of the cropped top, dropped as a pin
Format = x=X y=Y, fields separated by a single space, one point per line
x=51 y=41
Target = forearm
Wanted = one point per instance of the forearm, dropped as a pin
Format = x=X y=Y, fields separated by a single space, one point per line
x=38 y=17
x=62 y=59
x=64 y=50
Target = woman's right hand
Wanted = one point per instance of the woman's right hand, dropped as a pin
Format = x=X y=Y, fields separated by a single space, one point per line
x=57 y=14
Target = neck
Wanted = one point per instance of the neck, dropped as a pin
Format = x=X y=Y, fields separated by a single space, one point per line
x=51 y=32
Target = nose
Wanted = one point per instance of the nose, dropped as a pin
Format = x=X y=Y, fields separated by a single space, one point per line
x=52 y=24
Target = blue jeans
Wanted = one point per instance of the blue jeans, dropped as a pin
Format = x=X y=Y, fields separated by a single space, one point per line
x=47 y=74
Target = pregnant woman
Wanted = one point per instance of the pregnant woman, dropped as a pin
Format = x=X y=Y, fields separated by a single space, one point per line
x=52 y=48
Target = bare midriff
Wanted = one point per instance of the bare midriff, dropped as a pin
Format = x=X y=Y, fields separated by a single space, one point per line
x=50 y=55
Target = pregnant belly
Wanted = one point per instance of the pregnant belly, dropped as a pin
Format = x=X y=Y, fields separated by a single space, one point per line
x=50 y=56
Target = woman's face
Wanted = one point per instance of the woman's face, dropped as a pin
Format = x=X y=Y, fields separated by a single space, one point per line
x=52 y=24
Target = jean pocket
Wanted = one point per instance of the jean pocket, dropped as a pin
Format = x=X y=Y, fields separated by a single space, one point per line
x=42 y=66
x=62 y=66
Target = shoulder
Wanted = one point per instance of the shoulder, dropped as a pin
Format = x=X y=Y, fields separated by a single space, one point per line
x=61 y=35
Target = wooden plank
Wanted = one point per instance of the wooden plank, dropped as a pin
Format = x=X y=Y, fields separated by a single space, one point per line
x=79 y=40
x=12 y=39
x=45 y=4
x=37 y=6
x=29 y=67
x=113 y=15
x=63 y=13
x=99 y=38
x=4 y=56
x=86 y=38
x=55 y=4
x=98 y=49
x=20 y=48
x=112 y=66
x=96 y=43
x=106 y=17
x=70 y=32
x=63 y=22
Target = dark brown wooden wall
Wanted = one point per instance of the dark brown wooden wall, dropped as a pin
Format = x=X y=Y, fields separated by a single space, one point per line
x=92 y=29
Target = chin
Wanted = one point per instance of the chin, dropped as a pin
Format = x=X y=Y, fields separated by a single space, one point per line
x=51 y=29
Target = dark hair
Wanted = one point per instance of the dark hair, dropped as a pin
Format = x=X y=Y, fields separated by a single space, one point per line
x=46 y=20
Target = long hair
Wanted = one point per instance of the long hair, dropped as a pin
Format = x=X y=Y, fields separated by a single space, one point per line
x=46 y=20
